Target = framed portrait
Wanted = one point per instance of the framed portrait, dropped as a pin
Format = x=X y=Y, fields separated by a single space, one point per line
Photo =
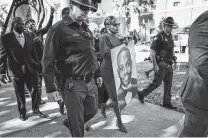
x=125 y=73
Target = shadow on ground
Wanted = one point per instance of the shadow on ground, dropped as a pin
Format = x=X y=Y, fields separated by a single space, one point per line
x=9 y=116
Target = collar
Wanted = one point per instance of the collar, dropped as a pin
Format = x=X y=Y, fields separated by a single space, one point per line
x=125 y=88
x=17 y=34
x=68 y=21
x=166 y=34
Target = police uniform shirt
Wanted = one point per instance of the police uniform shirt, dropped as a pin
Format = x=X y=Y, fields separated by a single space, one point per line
x=71 y=46
x=163 y=45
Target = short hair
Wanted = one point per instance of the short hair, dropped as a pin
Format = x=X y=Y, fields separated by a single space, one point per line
x=28 y=21
x=64 y=10
x=109 y=20
x=123 y=49
x=15 y=20
x=103 y=31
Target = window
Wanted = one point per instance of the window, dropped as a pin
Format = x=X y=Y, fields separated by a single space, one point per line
x=176 y=4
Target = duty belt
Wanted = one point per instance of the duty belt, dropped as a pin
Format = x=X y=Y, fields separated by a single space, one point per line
x=168 y=61
x=86 y=78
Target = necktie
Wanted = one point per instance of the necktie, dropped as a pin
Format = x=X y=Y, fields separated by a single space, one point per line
x=21 y=40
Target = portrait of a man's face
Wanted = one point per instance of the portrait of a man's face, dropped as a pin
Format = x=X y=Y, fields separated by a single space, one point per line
x=124 y=70
x=125 y=74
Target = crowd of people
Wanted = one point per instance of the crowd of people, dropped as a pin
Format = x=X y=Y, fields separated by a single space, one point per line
x=77 y=68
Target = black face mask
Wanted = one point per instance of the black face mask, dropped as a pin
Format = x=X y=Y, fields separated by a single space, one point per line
x=19 y=29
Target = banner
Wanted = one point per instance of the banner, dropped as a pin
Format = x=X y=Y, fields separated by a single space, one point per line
x=26 y=9
x=125 y=73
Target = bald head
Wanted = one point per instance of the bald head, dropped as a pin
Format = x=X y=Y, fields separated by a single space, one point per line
x=18 y=24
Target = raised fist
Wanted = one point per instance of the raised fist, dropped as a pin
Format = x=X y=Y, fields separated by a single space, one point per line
x=52 y=10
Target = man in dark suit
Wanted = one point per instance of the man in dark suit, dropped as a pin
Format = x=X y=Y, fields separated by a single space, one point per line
x=194 y=90
x=128 y=87
x=18 y=48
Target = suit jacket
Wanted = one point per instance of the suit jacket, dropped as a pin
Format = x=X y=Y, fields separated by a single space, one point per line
x=194 y=90
x=19 y=58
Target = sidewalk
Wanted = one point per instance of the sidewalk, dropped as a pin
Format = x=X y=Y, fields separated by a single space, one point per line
x=141 y=120
x=9 y=116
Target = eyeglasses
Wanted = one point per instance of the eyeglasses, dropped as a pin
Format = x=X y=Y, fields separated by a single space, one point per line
x=83 y=8
x=116 y=24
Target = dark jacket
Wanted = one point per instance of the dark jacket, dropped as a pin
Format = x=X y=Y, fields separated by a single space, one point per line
x=38 y=38
x=19 y=58
x=97 y=49
x=194 y=90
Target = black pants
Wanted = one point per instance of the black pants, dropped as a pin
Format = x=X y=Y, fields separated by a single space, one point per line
x=81 y=103
x=102 y=94
x=31 y=82
x=40 y=78
x=165 y=75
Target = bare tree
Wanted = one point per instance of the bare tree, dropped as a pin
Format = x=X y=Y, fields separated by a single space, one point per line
x=3 y=13
x=144 y=6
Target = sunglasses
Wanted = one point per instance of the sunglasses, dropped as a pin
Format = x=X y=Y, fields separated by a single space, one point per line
x=83 y=8
x=115 y=24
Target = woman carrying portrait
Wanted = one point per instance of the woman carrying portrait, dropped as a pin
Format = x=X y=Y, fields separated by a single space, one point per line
x=107 y=42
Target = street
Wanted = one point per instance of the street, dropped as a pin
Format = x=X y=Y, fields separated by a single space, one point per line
x=141 y=120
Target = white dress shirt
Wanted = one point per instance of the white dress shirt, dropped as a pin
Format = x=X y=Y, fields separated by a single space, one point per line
x=20 y=38
x=128 y=96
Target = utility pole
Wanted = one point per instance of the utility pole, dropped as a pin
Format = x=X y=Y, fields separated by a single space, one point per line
x=192 y=5
x=166 y=2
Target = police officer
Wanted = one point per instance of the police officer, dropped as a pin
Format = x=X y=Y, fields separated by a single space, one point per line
x=69 y=44
x=162 y=55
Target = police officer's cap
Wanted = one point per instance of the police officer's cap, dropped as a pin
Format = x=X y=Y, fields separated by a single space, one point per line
x=91 y=4
x=169 y=21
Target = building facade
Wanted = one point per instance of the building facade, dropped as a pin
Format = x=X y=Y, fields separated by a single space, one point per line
x=184 y=12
